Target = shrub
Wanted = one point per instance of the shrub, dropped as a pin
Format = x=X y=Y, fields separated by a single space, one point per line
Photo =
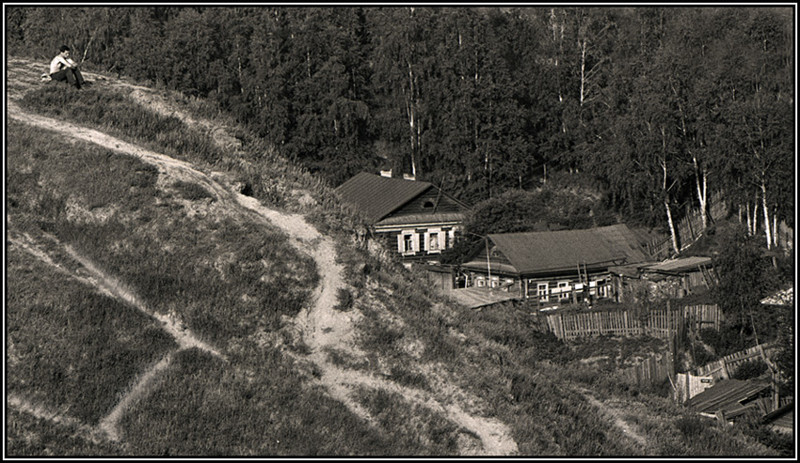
x=690 y=426
x=751 y=369
x=724 y=341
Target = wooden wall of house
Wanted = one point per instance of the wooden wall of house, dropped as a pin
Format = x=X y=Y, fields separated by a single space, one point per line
x=417 y=205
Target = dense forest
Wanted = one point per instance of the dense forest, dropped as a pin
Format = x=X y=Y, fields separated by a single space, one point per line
x=658 y=107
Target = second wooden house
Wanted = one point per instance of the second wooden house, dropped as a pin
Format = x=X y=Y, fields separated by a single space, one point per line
x=555 y=267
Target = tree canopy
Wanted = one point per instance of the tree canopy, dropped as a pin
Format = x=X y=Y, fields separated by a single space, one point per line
x=660 y=106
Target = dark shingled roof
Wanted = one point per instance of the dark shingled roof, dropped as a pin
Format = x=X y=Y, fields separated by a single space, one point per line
x=540 y=252
x=378 y=196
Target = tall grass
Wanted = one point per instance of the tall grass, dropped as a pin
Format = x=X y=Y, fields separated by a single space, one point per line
x=259 y=407
x=29 y=436
x=210 y=273
x=73 y=348
x=116 y=114
x=419 y=430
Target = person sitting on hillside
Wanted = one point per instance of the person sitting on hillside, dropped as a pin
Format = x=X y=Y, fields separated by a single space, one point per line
x=62 y=68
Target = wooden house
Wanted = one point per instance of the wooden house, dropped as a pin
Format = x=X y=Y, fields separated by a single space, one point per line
x=415 y=217
x=555 y=267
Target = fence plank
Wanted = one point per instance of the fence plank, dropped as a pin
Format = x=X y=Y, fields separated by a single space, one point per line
x=659 y=323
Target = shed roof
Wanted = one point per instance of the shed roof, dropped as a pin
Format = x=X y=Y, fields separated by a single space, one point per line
x=378 y=196
x=726 y=395
x=783 y=417
x=679 y=265
x=540 y=252
x=474 y=297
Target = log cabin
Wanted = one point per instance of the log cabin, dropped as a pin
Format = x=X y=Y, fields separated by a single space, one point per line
x=555 y=267
x=413 y=217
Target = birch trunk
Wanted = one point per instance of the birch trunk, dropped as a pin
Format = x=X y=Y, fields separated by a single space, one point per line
x=701 y=181
x=411 y=112
x=767 y=227
x=675 y=246
x=582 y=46
x=749 y=220
x=775 y=229
x=663 y=162
x=671 y=223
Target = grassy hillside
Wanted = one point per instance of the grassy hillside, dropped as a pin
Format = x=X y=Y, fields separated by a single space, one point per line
x=150 y=314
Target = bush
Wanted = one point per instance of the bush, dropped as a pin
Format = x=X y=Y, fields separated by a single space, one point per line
x=690 y=426
x=724 y=341
x=751 y=369
x=701 y=355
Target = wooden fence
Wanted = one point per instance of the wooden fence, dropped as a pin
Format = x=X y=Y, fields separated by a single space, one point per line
x=726 y=366
x=702 y=316
x=651 y=371
x=655 y=322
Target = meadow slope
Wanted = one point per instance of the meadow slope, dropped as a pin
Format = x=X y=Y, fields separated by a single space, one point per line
x=175 y=288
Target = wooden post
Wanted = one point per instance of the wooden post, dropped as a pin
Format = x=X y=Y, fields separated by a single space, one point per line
x=688 y=389
x=672 y=343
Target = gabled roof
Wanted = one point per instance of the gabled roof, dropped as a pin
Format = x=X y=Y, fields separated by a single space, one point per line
x=542 y=252
x=378 y=196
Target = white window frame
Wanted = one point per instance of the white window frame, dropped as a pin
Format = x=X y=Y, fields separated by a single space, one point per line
x=542 y=291
x=563 y=290
x=408 y=243
x=433 y=237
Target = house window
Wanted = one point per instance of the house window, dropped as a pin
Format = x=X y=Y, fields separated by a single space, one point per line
x=447 y=240
x=421 y=241
x=408 y=244
x=563 y=290
x=434 y=241
x=542 y=292
x=602 y=288
x=428 y=204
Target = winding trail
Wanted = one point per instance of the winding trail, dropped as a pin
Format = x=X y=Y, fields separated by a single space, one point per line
x=615 y=415
x=83 y=430
x=109 y=423
x=322 y=326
